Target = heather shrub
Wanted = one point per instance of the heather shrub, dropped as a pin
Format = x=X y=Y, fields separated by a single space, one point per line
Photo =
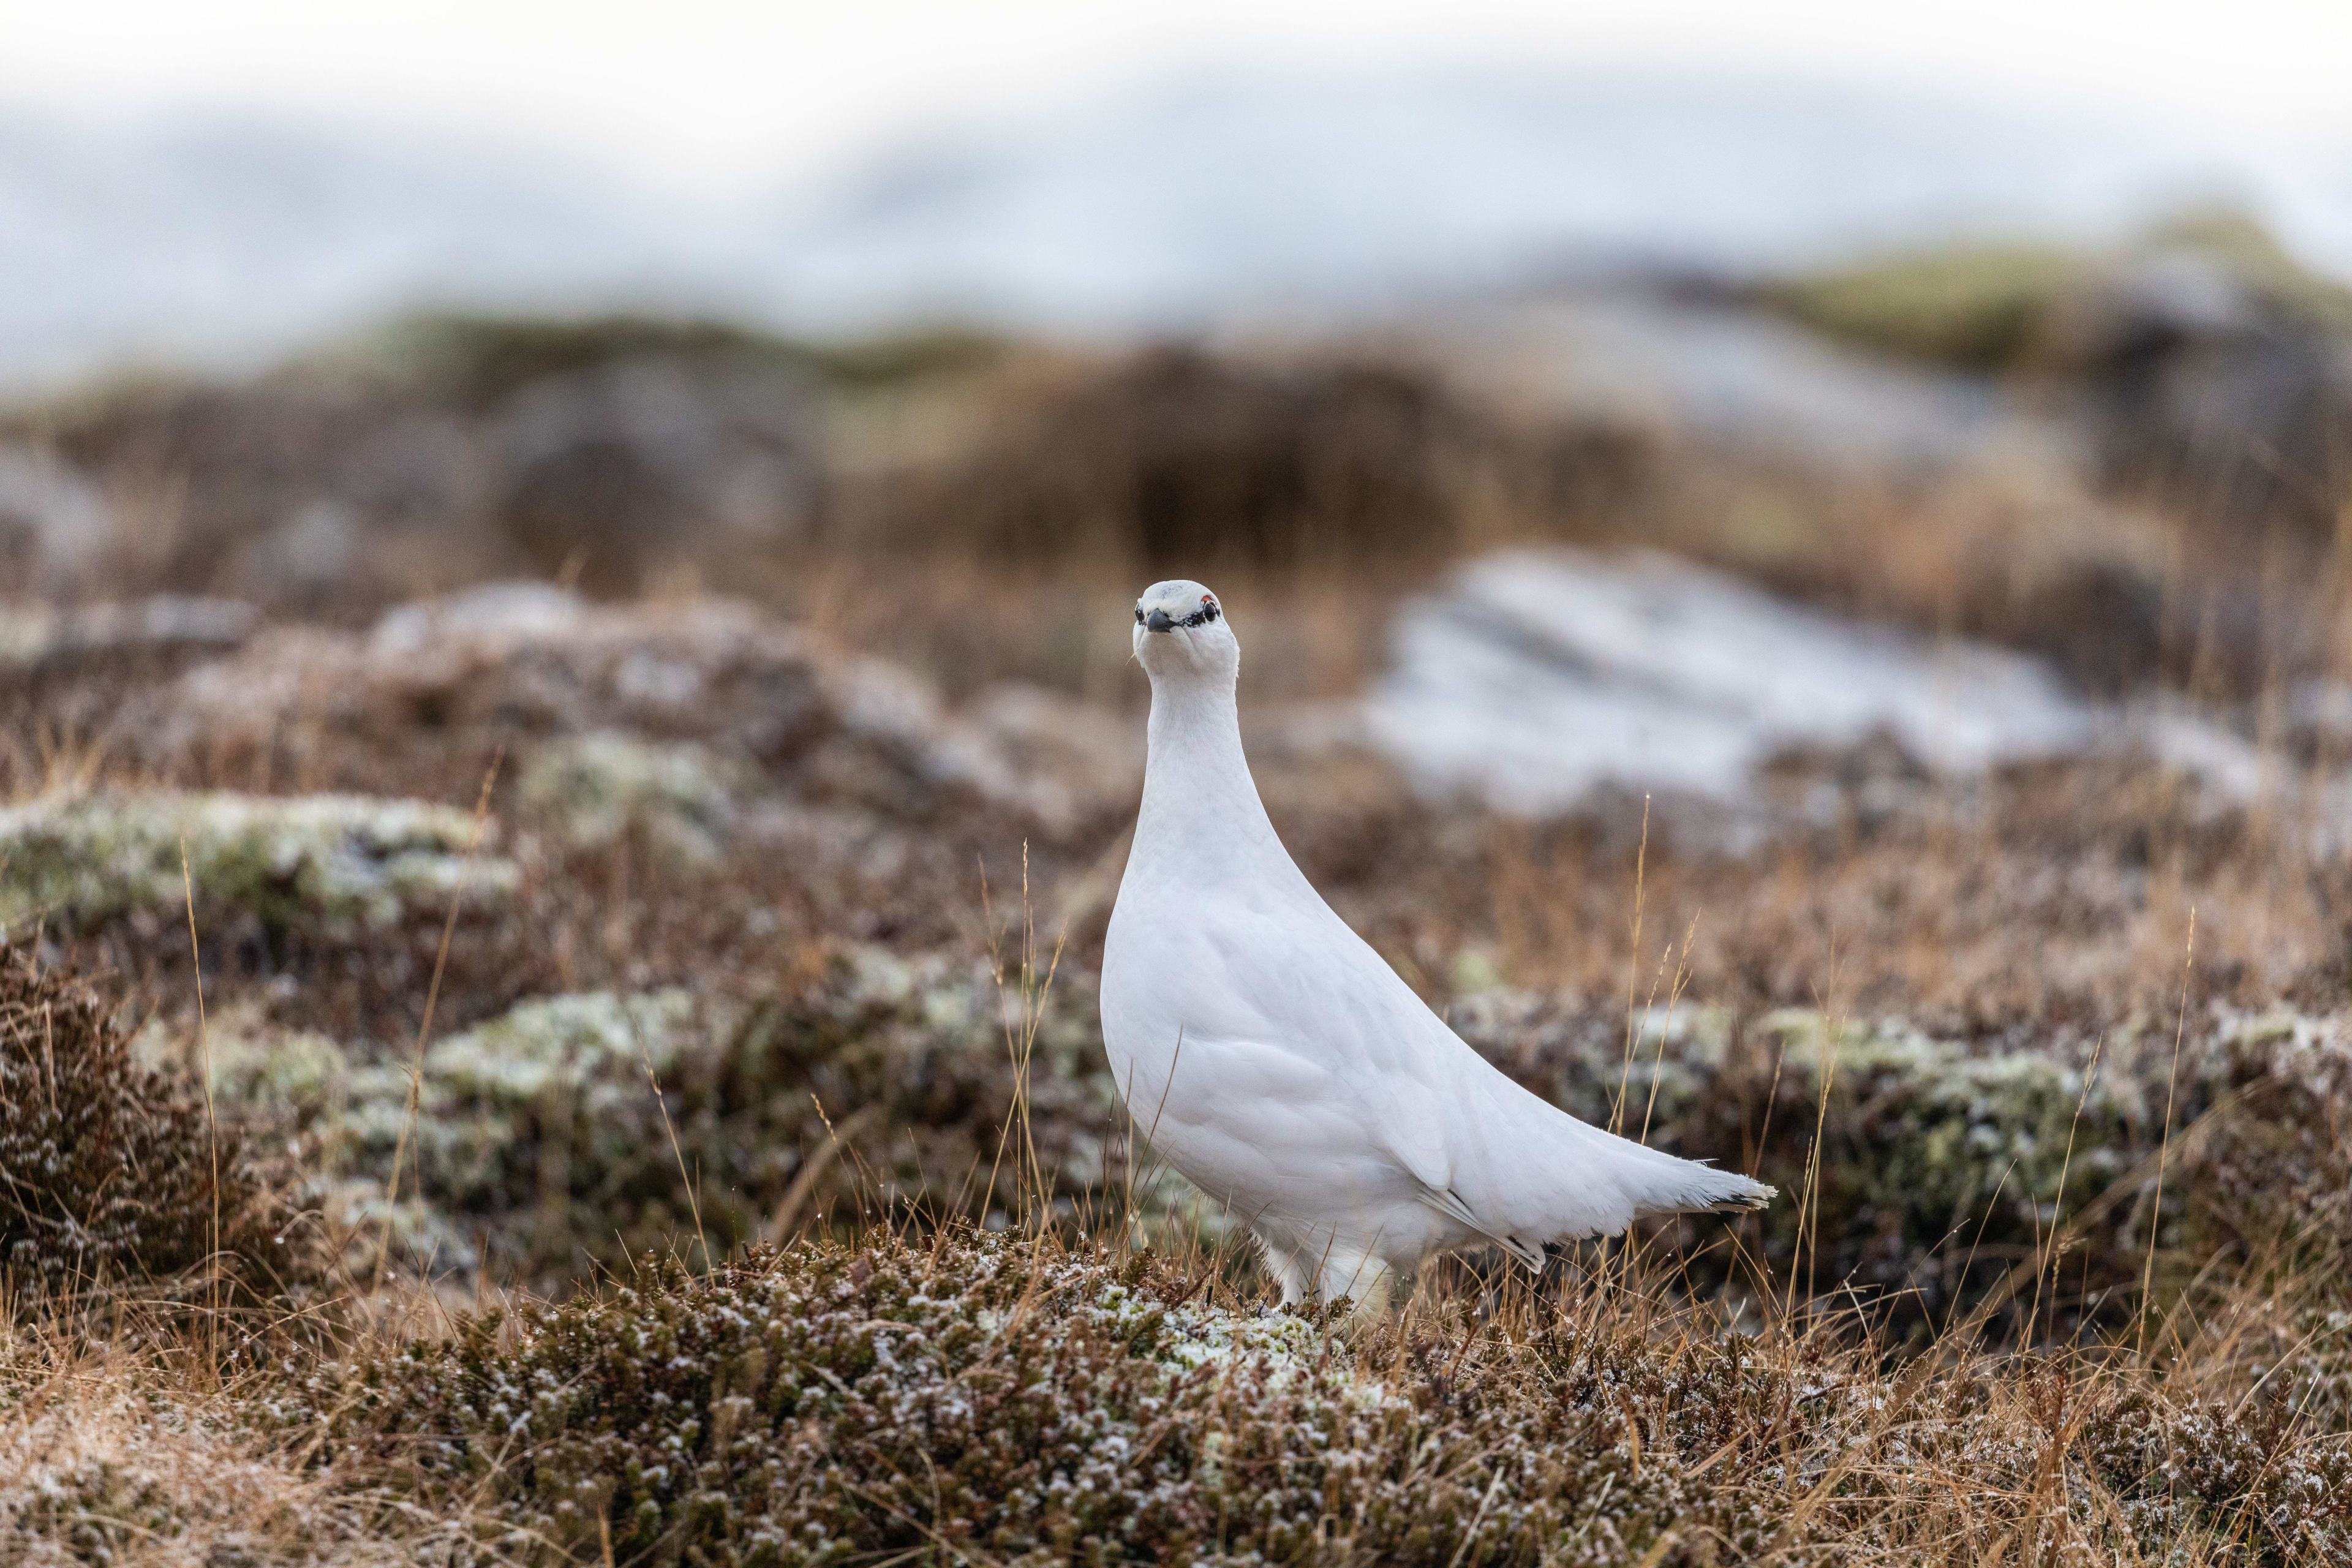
x=108 y=1167
x=1000 y=1398
x=980 y=1396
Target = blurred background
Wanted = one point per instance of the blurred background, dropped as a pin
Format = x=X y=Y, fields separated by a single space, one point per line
x=322 y=306
x=2013 y=326
x=1820 y=506
x=1579 y=403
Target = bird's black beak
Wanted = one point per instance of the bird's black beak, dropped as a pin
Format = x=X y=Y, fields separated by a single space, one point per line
x=1157 y=621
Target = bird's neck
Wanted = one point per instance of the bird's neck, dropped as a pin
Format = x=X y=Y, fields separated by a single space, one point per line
x=1201 y=815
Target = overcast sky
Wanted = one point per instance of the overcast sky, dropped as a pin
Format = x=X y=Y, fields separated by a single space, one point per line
x=719 y=94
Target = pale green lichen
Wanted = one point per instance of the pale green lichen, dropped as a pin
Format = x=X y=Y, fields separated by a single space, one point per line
x=520 y=1118
x=541 y=1128
x=564 y=1045
x=598 y=789
x=1943 y=1132
x=1651 y=1075
x=339 y=864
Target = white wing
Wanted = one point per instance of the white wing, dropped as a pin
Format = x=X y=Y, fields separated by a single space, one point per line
x=1487 y=1153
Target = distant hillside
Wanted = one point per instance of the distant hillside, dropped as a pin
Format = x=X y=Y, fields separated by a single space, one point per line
x=1167 y=205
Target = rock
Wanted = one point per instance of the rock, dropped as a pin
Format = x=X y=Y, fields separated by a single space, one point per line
x=344 y=864
x=53 y=519
x=606 y=472
x=1174 y=456
x=447 y=453
x=436 y=689
x=598 y=789
x=1538 y=680
x=2217 y=392
x=45 y=638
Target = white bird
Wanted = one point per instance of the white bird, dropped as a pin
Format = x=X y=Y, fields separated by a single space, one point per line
x=1272 y=1057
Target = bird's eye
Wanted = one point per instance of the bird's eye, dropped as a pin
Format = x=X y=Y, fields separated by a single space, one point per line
x=1139 y=615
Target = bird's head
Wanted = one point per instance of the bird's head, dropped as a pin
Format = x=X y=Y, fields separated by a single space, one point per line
x=1181 y=631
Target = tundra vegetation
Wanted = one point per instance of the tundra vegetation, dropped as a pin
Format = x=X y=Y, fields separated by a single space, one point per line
x=508 y=1055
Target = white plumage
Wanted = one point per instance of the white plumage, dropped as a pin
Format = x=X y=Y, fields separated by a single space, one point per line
x=1272 y=1057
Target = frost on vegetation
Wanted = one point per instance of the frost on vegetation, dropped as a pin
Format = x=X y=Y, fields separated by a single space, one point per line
x=1193 y=1334
x=598 y=789
x=112 y=1173
x=1014 y=1402
x=791 y=1409
x=95 y=1470
x=338 y=863
x=86 y=1512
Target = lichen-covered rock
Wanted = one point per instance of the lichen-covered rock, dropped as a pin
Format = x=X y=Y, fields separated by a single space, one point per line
x=1921 y=1140
x=436 y=689
x=536 y=1130
x=890 y=1083
x=540 y=1131
x=1936 y=1135
x=342 y=864
x=603 y=787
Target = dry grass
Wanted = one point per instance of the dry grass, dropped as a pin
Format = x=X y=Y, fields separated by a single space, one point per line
x=124 y=1453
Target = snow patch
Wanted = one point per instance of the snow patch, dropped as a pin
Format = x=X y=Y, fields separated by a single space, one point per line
x=1538 y=677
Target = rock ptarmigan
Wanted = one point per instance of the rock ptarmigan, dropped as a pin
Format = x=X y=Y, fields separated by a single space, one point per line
x=1272 y=1057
